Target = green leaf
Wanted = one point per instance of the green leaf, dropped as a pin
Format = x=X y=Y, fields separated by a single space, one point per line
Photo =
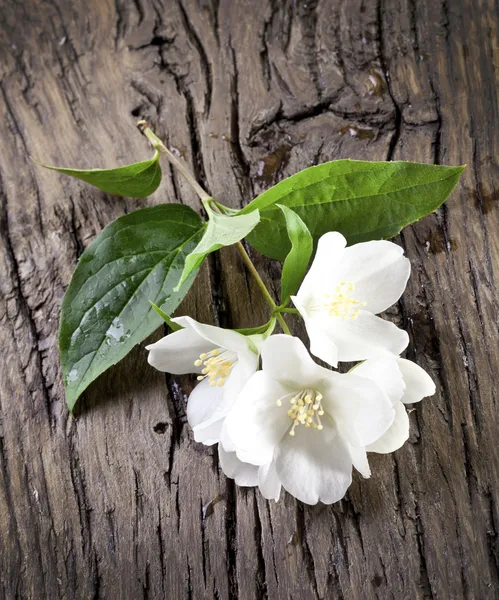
x=137 y=180
x=106 y=309
x=296 y=263
x=221 y=230
x=166 y=318
x=253 y=330
x=363 y=200
x=265 y=328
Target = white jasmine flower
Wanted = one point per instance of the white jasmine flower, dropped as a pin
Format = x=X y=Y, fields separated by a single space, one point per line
x=343 y=292
x=411 y=384
x=224 y=361
x=298 y=421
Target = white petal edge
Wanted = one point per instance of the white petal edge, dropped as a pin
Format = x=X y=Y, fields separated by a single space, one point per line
x=219 y=337
x=397 y=434
x=268 y=482
x=246 y=366
x=322 y=344
x=176 y=353
x=286 y=359
x=215 y=414
x=244 y=474
x=418 y=383
x=359 y=460
x=255 y=423
x=208 y=433
x=361 y=411
x=330 y=249
x=314 y=467
x=204 y=402
x=379 y=271
x=368 y=336
x=225 y=440
x=386 y=375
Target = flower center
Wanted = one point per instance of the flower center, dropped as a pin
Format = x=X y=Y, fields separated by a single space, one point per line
x=306 y=409
x=217 y=365
x=340 y=303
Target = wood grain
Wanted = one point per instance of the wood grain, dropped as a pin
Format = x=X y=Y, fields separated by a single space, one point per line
x=120 y=502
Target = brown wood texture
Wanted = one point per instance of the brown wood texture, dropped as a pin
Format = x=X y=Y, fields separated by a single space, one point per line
x=121 y=503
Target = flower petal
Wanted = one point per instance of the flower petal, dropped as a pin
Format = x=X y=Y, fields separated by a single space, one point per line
x=208 y=433
x=314 y=465
x=361 y=411
x=379 y=271
x=286 y=359
x=219 y=337
x=359 y=460
x=255 y=424
x=245 y=367
x=205 y=402
x=396 y=435
x=238 y=378
x=268 y=482
x=177 y=352
x=225 y=439
x=328 y=258
x=322 y=343
x=418 y=383
x=368 y=336
x=386 y=375
x=244 y=474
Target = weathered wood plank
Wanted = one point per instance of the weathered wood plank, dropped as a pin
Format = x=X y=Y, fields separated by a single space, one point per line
x=120 y=502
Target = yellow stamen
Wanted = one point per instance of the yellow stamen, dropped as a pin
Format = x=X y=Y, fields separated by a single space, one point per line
x=217 y=366
x=306 y=409
x=340 y=304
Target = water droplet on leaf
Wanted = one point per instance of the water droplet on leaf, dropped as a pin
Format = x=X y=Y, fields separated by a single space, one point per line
x=72 y=376
x=115 y=332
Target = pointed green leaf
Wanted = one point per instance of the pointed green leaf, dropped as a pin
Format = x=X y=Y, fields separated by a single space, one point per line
x=363 y=200
x=221 y=230
x=137 y=180
x=166 y=318
x=106 y=309
x=296 y=263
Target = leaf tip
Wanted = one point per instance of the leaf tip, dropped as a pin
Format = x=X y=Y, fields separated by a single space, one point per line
x=71 y=401
x=166 y=318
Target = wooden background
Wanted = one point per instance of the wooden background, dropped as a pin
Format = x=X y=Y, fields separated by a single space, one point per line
x=120 y=503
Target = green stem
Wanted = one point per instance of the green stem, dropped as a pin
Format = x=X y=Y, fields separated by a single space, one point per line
x=263 y=288
x=157 y=144
x=293 y=311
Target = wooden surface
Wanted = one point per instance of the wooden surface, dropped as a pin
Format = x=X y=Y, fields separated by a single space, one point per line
x=120 y=503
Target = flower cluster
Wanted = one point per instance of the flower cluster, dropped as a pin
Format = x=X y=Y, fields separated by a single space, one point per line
x=279 y=418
